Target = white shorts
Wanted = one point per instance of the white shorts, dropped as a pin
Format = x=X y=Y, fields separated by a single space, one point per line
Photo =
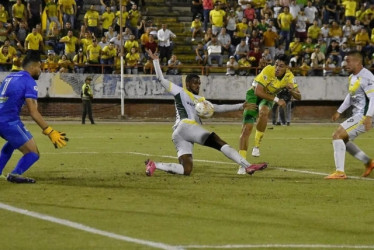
x=354 y=126
x=186 y=134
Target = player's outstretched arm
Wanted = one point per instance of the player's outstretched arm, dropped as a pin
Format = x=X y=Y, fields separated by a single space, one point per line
x=58 y=138
x=234 y=107
x=260 y=92
x=168 y=85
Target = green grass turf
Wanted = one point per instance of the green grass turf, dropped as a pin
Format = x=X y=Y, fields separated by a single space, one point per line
x=99 y=181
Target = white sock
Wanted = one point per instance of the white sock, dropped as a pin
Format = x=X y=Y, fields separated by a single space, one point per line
x=356 y=152
x=232 y=154
x=174 y=168
x=339 y=154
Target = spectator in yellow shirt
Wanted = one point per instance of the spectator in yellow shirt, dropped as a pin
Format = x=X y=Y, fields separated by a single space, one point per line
x=79 y=62
x=70 y=44
x=125 y=16
x=4 y=16
x=93 y=56
x=350 y=7
x=34 y=43
x=134 y=19
x=5 y=59
x=50 y=64
x=314 y=31
x=217 y=18
x=132 y=61
x=86 y=41
x=64 y=64
x=91 y=20
x=68 y=8
x=52 y=12
x=131 y=43
x=107 y=57
x=362 y=38
x=196 y=27
x=107 y=19
x=284 y=23
x=19 y=11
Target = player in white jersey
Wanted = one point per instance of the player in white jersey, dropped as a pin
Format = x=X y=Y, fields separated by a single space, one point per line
x=361 y=99
x=188 y=129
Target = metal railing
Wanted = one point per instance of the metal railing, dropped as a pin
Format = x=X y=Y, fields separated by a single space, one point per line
x=182 y=69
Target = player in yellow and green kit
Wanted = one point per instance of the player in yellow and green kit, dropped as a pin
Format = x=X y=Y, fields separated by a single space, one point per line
x=265 y=87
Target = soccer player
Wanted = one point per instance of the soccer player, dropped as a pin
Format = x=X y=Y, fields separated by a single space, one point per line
x=15 y=90
x=188 y=129
x=361 y=98
x=265 y=87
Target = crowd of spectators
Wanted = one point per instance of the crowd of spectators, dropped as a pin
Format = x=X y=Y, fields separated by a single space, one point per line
x=242 y=35
x=316 y=34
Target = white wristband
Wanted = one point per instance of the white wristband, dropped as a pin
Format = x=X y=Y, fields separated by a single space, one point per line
x=276 y=99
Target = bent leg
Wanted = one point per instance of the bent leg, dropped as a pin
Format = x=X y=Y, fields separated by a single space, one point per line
x=261 y=124
x=6 y=153
x=30 y=156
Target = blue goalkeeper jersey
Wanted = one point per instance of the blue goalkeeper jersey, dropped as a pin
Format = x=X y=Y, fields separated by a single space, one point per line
x=14 y=90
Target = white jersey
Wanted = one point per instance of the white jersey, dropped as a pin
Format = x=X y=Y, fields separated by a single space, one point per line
x=361 y=89
x=185 y=100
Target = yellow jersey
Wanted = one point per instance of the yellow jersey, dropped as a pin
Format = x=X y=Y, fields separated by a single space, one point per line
x=86 y=42
x=285 y=21
x=51 y=7
x=18 y=10
x=132 y=59
x=241 y=29
x=124 y=18
x=273 y=85
x=350 y=8
x=33 y=41
x=3 y=15
x=67 y=6
x=107 y=19
x=92 y=18
x=217 y=17
x=108 y=53
x=129 y=44
x=313 y=31
x=134 y=16
x=94 y=53
x=196 y=24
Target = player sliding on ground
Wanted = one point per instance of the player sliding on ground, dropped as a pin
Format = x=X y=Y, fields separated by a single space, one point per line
x=361 y=98
x=263 y=91
x=17 y=89
x=188 y=129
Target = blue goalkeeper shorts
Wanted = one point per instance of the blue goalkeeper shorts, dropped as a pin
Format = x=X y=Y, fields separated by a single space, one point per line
x=15 y=133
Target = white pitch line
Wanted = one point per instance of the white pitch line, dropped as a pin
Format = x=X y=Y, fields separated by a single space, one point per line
x=281 y=246
x=215 y=162
x=87 y=228
x=278 y=168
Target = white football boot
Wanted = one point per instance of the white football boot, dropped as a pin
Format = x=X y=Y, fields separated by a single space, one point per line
x=256 y=152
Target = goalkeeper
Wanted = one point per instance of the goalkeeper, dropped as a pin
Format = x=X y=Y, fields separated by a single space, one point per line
x=17 y=89
x=188 y=129
x=263 y=91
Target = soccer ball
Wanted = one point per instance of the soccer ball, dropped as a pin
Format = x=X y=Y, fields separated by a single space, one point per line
x=204 y=109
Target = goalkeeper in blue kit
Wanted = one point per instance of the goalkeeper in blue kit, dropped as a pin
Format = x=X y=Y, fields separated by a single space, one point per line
x=17 y=89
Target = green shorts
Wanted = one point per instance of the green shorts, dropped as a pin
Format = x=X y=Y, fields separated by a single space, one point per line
x=250 y=116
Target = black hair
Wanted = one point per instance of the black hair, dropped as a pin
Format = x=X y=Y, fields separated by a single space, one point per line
x=30 y=58
x=282 y=57
x=190 y=77
x=357 y=54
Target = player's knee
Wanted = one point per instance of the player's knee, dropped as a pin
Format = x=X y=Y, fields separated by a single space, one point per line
x=264 y=113
x=214 y=141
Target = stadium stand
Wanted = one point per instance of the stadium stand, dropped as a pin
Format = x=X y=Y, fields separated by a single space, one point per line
x=345 y=24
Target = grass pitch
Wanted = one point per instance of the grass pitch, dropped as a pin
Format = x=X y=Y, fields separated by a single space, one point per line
x=98 y=181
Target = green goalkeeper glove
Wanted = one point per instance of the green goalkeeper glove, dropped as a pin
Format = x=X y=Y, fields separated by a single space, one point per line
x=58 y=138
